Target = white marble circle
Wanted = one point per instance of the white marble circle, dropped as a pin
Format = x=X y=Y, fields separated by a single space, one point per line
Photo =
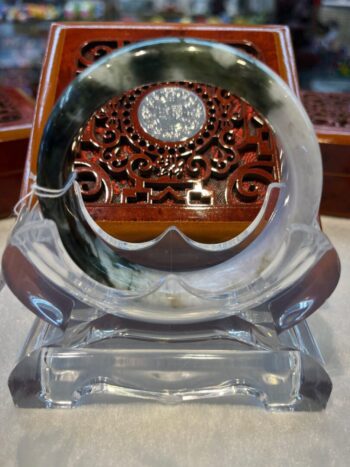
x=171 y=113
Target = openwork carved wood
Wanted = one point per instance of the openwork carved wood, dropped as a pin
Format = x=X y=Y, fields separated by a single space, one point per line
x=74 y=47
x=128 y=154
x=92 y=51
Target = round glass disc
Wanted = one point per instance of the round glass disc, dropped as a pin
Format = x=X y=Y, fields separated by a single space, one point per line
x=171 y=113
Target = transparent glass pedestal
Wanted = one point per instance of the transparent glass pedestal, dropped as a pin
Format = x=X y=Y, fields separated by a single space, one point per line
x=113 y=360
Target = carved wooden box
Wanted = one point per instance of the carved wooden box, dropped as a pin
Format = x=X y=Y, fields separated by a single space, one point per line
x=135 y=182
x=16 y=114
x=330 y=114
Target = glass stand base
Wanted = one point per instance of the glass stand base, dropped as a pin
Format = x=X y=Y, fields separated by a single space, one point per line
x=112 y=360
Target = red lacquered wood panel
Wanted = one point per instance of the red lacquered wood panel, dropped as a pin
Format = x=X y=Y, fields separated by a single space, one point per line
x=330 y=114
x=133 y=208
x=16 y=114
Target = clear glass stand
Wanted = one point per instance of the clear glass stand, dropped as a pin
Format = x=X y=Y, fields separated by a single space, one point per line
x=111 y=360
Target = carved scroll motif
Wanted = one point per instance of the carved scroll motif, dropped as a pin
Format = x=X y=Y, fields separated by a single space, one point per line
x=229 y=162
x=94 y=50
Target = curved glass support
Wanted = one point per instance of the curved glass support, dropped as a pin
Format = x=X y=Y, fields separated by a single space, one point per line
x=174 y=251
x=295 y=281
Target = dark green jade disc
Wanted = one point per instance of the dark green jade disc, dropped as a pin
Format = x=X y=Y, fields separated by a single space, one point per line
x=164 y=60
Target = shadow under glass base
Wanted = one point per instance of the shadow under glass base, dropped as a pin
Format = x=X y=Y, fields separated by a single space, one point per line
x=113 y=360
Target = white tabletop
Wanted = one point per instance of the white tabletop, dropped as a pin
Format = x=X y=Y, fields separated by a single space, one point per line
x=148 y=434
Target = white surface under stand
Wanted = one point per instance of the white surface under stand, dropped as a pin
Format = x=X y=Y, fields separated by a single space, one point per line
x=205 y=434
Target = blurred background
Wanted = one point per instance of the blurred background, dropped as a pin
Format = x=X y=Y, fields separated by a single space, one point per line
x=320 y=31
